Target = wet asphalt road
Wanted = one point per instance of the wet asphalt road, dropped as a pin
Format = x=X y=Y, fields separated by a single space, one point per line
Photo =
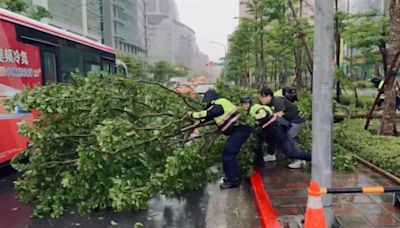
x=209 y=207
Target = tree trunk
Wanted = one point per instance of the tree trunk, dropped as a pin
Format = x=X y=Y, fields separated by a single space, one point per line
x=298 y=83
x=302 y=36
x=388 y=123
x=337 y=38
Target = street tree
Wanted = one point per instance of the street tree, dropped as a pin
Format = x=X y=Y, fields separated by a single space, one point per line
x=20 y=6
x=388 y=123
x=162 y=71
x=135 y=66
x=241 y=61
x=370 y=31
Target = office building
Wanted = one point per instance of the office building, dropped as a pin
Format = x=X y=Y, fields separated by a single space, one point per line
x=124 y=26
x=169 y=39
x=82 y=17
x=117 y=23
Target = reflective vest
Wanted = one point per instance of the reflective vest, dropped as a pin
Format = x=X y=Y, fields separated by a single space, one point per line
x=279 y=93
x=263 y=114
x=230 y=115
x=381 y=84
x=380 y=87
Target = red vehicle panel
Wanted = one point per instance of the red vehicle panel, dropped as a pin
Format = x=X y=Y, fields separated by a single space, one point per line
x=20 y=67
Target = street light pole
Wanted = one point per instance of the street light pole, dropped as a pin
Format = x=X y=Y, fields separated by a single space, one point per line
x=225 y=51
x=322 y=104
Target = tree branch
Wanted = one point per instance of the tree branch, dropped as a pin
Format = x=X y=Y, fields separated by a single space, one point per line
x=55 y=163
x=73 y=136
x=182 y=96
x=192 y=138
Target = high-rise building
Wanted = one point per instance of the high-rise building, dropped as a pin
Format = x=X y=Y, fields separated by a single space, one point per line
x=82 y=17
x=124 y=26
x=169 y=39
x=117 y=23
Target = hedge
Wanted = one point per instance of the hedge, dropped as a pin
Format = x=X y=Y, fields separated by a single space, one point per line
x=383 y=151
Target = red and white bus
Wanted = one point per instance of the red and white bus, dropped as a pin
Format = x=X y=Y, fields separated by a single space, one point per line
x=32 y=54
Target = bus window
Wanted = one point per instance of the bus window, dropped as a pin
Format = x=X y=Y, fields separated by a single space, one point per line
x=49 y=63
x=108 y=66
x=91 y=62
x=71 y=63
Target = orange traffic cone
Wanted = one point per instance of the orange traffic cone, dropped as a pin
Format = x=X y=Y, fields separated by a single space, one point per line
x=315 y=217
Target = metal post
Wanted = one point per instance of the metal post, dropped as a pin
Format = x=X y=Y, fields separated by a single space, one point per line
x=322 y=114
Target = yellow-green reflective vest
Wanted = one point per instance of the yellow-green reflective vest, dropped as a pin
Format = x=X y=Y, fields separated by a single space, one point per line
x=279 y=93
x=255 y=111
x=264 y=119
x=380 y=87
x=230 y=116
x=381 y=84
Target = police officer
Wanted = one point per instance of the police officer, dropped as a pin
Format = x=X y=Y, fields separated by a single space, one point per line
x=274 y=133
x=283 y=108
x=246 y=103
x=289 y=93
x=226 y=116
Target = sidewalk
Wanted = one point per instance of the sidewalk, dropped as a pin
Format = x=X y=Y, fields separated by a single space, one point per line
x=288 y=192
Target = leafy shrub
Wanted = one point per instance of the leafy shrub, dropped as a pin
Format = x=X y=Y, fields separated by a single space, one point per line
x=343 y=159
x=363 y=84
x=347 y=100
x=383 y=151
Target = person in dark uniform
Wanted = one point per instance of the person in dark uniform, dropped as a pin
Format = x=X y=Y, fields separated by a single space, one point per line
x=226 y=116
x=246 y=104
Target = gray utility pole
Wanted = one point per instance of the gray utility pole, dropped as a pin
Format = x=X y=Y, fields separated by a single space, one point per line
x=322 y=104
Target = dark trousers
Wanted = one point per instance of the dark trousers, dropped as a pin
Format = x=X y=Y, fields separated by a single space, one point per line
x=288 y=147
x=259 y=159
x=236 y=139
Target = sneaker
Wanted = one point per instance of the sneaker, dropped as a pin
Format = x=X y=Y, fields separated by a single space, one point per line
x=270 y=158
x=296 y=164
x=230 y=184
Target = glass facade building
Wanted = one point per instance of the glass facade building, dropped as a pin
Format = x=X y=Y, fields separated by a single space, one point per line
x=117 y=23
x=82 y=17
x=124 y=23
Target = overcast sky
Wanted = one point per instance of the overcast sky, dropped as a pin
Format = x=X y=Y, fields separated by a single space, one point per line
x=212 y=20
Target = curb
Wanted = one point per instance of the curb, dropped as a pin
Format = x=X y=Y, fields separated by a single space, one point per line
x=267 y=214
x=380 y=171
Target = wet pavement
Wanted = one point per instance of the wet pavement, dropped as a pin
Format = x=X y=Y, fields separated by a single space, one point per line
x=209 y=207
x=288 y=192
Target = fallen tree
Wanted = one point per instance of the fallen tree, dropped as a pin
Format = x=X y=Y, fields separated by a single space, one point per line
x=338 y=116
x=112 y=142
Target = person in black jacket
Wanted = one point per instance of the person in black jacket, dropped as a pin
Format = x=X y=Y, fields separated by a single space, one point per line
x=283 y=108
x=273 y=132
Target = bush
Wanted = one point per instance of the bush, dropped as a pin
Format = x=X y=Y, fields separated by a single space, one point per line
x=383 y=151
x=363 y=84
x=365 y=102
x=347 y=100
x=343 y=159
